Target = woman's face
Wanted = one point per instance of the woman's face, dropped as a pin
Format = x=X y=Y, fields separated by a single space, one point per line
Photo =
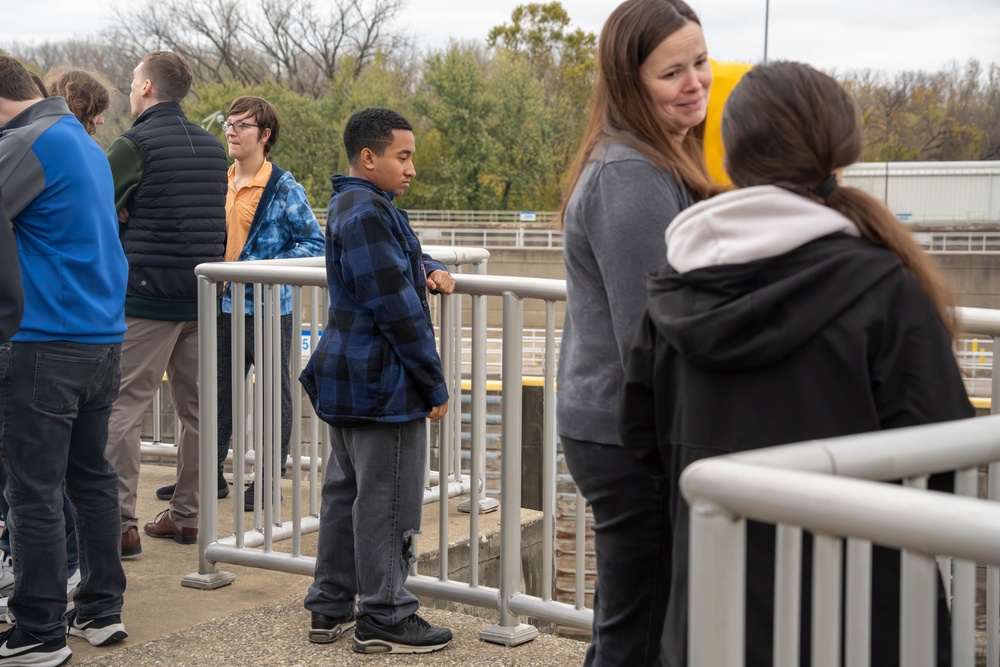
x=677 y=76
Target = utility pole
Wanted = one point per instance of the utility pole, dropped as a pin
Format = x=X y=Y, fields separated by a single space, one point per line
x=767 y=16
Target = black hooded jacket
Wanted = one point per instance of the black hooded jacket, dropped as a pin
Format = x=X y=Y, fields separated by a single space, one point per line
x=831 y=338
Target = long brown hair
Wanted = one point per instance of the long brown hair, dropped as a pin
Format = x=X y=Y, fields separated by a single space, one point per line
x=789 y=125
x=620 y=107
x=87 y=94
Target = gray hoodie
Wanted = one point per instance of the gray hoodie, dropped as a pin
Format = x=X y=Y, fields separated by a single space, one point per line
x=613 y=234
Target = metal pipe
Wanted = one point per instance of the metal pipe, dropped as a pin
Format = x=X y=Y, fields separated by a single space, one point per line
x=787 y=595
x=718 y=573
x=826 y=601
x=510 y=518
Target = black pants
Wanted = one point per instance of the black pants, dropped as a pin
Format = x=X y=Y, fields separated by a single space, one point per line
x=633 y=544
x=225 y=372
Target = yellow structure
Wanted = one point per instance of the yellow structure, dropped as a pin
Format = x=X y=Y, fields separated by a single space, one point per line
x=725 y=76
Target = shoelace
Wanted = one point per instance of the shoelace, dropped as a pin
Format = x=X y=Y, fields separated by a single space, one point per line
x=419 y=622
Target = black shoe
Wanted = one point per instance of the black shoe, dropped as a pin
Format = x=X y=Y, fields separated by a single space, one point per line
x=248 y=498
x=411 y=635
x=326 y=629
x=98 y=631
x=167 y=492
x=17 y=648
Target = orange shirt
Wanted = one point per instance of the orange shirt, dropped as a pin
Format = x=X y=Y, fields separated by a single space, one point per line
x=241 y=205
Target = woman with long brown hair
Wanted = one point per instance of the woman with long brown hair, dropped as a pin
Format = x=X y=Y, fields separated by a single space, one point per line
x=87 y=94
x=791 y=309
x=639 y=164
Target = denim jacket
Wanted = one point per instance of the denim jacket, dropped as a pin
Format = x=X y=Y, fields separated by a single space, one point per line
x=377 y=359
x=283 y=227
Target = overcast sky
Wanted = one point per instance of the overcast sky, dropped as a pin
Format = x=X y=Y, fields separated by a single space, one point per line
x=845 y=34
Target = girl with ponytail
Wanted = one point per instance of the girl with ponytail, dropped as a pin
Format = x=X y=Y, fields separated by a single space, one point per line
x=790 y=309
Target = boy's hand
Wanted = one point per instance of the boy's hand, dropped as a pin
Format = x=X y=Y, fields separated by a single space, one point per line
x=441 y=410
x=440 y=281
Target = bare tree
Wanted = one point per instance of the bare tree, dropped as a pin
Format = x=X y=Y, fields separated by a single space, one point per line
x=299 y=43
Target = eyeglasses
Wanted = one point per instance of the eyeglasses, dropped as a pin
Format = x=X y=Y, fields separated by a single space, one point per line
x=238 y=127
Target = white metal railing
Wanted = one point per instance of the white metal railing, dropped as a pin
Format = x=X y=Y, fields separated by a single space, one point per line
x=831 y=488
x=507 y=597
x=965 y=241
x=429 y=216
x=976 y=241
x=519 y=237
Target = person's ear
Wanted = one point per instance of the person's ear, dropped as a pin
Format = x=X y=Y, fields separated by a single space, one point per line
x=367 y=158
x=264 y=136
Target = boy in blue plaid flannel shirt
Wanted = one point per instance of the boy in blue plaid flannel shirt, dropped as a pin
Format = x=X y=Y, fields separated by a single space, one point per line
x=374 y=378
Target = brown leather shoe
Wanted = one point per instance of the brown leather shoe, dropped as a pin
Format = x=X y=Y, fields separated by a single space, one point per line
x=164 y=526
x=130 y=543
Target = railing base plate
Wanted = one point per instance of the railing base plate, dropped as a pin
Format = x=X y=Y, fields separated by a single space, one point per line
x=509 y=635
x=208 y=582
x=486 y=505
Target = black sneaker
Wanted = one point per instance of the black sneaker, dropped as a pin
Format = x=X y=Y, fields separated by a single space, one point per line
x=20 y=649
x=167 y=492
x=411 y=635
x=98 y=631
x=326 y=629
x=248 y=498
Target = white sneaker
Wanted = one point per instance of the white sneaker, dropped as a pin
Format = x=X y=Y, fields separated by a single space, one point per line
x=6 y=574
x=72 y=585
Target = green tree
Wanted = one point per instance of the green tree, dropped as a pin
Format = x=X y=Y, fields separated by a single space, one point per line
x=458 y=107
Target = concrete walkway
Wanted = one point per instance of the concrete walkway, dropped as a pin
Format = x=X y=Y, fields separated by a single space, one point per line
x=259 y=620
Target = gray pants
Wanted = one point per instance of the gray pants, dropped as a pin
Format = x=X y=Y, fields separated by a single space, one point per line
x=372 y=500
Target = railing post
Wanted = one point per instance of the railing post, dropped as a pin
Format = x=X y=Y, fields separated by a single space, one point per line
x=963 y=587
x=445 y=432
x=826 y=597
x=238 y=380
x=509 y=631
x=717 y=588
x=993 y=492
x=549 y=453
x=787 y=595
x=477 y=426
x=208 y=576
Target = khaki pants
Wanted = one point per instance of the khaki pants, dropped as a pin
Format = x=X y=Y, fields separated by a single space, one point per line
x=150 y=348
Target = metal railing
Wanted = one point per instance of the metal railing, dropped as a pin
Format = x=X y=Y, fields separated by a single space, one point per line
x=968 y=241
x=831 y=488
x=507 y=598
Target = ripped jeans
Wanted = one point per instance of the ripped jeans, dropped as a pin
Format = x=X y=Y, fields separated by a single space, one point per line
x=372 y=501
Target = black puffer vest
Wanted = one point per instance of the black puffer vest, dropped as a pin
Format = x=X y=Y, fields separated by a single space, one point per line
x=177 y=216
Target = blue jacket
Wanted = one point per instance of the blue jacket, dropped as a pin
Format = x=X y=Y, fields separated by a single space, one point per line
x=58 y=191
x=283 y=227
x=377 y=360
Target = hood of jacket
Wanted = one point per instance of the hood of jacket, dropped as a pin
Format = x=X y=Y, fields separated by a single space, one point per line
x=755 y=273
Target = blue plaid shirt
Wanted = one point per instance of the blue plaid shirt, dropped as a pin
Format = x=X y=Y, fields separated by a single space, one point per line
x=377 y=359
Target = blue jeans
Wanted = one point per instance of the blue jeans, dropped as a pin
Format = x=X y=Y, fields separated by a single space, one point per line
x=632 y=541
x=72 y=552
x=373 y=493
x=55 y=399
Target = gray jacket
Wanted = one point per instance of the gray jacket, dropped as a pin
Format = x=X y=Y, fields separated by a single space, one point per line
x=11 y=297
x=613 y=235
